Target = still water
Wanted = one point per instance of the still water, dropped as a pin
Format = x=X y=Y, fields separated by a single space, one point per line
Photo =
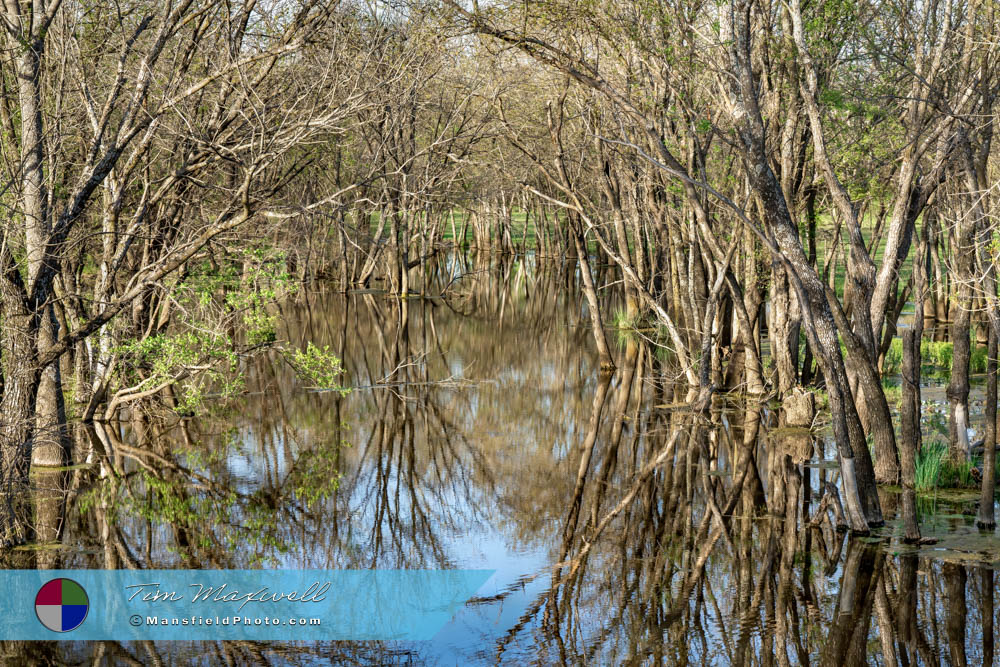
x=479 y=433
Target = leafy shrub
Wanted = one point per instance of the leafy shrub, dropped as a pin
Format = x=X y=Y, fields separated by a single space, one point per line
x=957 y=474
x=319 y=366
x=201 y=358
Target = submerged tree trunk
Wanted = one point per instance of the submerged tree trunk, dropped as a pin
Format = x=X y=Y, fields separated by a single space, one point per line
x=785 y=324
x=963 y=251
x=910 y=432
x=50 y=441
x=985 y=517
x=593 y=305
x=17 y=413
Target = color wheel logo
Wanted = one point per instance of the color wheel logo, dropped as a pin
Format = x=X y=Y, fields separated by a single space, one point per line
x=61 y=605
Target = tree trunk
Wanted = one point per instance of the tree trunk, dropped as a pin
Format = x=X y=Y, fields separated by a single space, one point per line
x=858 y=475
x=985 y=517
x=51 y=441
x=784 y=326
x=910 y=432
x=17 y=426
x=593 y=305
x=958 y=388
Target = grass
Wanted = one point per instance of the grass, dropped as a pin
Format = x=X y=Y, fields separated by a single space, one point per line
x=936 y=469
x=928 y=465
x=938 y=355
x=523 y=229
x=893 y=363
x=893 y=392
x=620 y=319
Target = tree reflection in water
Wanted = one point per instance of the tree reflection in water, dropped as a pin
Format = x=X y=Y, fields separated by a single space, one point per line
x=627 y=527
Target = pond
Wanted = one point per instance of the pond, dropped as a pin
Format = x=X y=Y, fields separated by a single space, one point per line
x=480 y=433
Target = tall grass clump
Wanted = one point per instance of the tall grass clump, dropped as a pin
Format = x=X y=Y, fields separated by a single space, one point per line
x=930 y=458
x=958 y=474
x=937 y=470
x=621 y=320
x=937 y=354
x=977 y=361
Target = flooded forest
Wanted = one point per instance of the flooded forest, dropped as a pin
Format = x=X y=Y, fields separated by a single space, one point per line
x=682 y=317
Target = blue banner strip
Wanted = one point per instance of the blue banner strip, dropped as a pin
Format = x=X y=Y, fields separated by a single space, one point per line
x=126 y=605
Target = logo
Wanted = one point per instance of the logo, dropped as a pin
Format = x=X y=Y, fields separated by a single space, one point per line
x=61 y=605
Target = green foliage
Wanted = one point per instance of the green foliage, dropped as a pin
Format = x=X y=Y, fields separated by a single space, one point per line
x=664 y=352
x=822 y=400
x=221 y=514
x=224 y=312
x=941 y=355
x=319 y=367
x=957 y=474
x=977 y=360
x=202 y=357
x=938 y=355
x=247 y=284
x=316 y=474
x=832 y=98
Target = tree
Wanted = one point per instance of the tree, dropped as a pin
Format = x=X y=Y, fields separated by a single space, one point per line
x=188 y=119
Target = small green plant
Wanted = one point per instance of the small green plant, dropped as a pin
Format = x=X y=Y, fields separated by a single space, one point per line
x=936 y=469
x=937 y=354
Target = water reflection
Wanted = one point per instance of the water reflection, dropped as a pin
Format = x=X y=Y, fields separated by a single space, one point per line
x=629 y=522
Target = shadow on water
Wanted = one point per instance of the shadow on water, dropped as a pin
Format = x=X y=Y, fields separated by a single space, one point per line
x=624 y=526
